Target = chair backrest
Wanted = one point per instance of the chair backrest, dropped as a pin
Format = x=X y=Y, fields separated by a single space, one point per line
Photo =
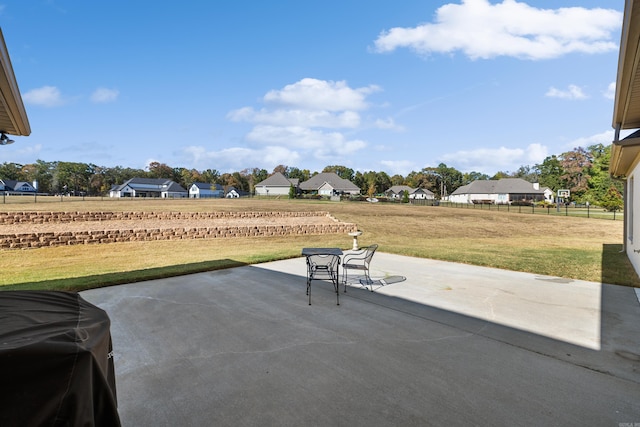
x=370 y=251
x=323 y=261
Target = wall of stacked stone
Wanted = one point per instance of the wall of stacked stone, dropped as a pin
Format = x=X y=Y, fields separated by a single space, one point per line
x=64 y=217
x=49 y=239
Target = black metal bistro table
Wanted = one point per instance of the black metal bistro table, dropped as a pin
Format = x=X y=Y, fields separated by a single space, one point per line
x=323 y=264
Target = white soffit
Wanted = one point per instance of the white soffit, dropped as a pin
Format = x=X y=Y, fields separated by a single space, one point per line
x=13 y=117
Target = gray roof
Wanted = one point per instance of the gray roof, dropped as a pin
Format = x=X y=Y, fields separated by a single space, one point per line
x=151 y=184
x=11 y=185
x=422 y=190
x=207 y=186
x=398 y=189
x=330 y=178
x=501 y=186
x=278 y=180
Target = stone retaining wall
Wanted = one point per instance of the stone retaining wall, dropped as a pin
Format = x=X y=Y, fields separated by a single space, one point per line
x=48 y=239
x=65 y=217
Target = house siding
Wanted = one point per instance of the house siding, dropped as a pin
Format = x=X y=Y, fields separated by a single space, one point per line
x=196 y=192
x=272 y=191
x=633 y=219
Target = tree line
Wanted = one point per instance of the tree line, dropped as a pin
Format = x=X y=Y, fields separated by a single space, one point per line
x=583 y=171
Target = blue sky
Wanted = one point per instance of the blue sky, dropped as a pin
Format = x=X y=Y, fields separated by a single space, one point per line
x=373 y=85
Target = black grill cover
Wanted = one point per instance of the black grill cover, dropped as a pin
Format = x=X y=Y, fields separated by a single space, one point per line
x=56 y=364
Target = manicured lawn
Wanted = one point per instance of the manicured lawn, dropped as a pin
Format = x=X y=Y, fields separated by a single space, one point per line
x=578 y=248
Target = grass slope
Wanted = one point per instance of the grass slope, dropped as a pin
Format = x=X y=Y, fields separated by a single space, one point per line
x=578 y=248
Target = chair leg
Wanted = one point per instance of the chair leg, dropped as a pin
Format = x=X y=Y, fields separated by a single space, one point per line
x=369 y=281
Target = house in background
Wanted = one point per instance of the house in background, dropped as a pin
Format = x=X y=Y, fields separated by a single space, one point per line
x=148 y=187
x=329 y=184
x=397 y=192
x=502 y=191
x=276 y=185
x=625 y=153
x=203 y=190
x=11 y=186
x=234 y=193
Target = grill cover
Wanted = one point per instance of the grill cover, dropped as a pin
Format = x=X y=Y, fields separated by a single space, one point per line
x=56 y=364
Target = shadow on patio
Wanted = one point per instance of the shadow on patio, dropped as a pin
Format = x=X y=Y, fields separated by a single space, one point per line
x=242 y=347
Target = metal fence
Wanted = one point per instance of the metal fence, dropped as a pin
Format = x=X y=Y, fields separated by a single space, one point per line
x=583 y=211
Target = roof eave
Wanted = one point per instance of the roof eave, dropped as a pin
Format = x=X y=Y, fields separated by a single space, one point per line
x=626 y=111
x=13 y=116
x=624 y=155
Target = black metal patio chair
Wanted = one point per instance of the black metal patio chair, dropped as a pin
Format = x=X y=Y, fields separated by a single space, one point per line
x=359 y=261
x=323 y=267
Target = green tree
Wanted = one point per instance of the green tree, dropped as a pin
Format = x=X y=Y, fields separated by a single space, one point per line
x=528 y=173
x=342 y=171
x=600 y=180
x=422 y=179
x=11 y=171
x=301 y=174
x=612 y=200
x=405 y=196
x=469 y=177
x=284 y=170
x=576 y=164
x=446 y=178
x=160 y=170
x=550 y=173
x=210 y=176
x=360 y=181
x=501 y=175
x=371 y=191
x=397 y=180
x=72 y=177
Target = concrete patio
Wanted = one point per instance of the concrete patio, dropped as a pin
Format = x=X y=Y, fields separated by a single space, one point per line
x=452 y=345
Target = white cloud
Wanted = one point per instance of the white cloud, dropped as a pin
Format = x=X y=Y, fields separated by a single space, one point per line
x=604 y=138
x=316 y=118
x=46 y=96
x=480 y=29
x=388 y=123
x=237 y=158
x=307 y=118
x=313 y=94
x=103 y=95
x=572 y=92
x=400 y=167
x=490 y=160
x=610 y=93
x=21 y=152
x=322 y=145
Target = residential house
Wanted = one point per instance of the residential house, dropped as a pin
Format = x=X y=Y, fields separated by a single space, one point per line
x=502 y=191
x=11 y=186
x=397 y=192
x=234 y=193
x=148 y=187
x=276 y=185
x=204 y=190
x=625 y=153
x=329 y=184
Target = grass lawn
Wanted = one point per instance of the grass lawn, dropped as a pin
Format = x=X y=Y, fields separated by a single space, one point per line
x=578 y=248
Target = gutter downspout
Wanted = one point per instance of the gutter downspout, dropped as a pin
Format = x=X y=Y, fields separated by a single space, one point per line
x=625 y=211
